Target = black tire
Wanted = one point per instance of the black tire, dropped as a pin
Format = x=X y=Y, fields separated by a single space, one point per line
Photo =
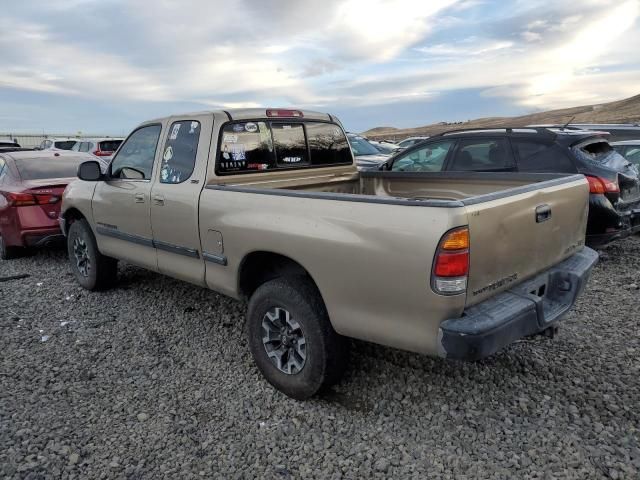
x=9 y=253
x=102 y=271
x=326 y=352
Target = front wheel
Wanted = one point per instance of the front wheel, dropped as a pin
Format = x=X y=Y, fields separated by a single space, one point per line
x=93 y=270
x=291 y=339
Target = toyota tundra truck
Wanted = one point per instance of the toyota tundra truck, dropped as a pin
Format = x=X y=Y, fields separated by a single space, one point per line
x=268 y=206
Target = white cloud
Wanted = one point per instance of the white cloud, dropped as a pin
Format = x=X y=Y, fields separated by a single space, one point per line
x=323 y=52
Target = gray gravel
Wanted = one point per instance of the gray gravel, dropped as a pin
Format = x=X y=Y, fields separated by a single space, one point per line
x=154 y=380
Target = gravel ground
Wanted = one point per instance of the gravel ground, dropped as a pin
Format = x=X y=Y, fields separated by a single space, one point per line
x=154 y=380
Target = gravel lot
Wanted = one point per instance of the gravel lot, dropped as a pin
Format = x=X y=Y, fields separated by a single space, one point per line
x=154 y=380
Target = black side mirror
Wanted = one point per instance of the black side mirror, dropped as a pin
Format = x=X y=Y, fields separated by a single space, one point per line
x=90 y=171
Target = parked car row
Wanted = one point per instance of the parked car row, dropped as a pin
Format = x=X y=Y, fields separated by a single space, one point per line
x=100 y=147
x=614 y=205
x=479 y=235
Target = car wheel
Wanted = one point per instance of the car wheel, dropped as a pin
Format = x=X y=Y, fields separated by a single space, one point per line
x=291 y=338
x=8 y=253
x=93 y=270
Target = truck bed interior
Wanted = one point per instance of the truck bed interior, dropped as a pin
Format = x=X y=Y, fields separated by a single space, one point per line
x=448 y=186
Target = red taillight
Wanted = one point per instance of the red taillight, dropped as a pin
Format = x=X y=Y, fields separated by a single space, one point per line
x=102 y=153
x=602 y=185
x=284 y=113
x=451 y=264
x=21 y=199
x=30 y=199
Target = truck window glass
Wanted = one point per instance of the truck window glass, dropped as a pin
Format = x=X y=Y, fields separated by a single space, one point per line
x=541 y=157
x=289 y=144
x=135 y=158
x=179 y=154
x=328 y=144
x=428 y=158
x=481 y=155
x=246 y=147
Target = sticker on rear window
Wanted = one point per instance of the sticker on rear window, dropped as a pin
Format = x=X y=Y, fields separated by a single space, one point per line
x=238 y=127
x=238 y=152
x=251 y=127
x=229 y=138
x=174 y=131
x=194 y=126
x=168 y=153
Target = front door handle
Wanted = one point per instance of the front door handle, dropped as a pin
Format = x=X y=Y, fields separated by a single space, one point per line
x=158 y=200
x=139 y=197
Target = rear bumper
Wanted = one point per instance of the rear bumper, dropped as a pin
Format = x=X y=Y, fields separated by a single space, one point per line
x=42 y=238
x=607 y=224
x=528 y=308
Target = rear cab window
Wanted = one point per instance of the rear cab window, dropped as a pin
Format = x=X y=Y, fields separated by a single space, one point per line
x=249 y=147
x=44 y=168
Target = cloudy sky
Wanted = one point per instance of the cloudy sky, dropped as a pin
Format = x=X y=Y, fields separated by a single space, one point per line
x=102 y=66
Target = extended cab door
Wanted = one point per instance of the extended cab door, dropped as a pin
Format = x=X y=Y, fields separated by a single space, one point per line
x=175 y=195
x=121 y=204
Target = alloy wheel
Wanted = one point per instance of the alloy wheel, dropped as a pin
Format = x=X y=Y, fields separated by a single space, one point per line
x=81 y=252
x=284 y=341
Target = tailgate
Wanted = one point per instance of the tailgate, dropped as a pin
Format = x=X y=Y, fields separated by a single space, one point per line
x=513 y=237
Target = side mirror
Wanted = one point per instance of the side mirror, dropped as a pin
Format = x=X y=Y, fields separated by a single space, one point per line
x=90 y=171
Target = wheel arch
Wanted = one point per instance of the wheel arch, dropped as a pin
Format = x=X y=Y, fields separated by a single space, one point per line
x=69 y=216
x=258 y=267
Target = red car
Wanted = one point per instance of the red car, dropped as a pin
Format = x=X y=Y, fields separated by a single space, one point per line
x=31 y=186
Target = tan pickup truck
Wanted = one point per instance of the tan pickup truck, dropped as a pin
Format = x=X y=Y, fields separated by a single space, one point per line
x=268 y=206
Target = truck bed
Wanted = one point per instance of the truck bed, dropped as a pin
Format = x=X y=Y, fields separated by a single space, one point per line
x=435 y=189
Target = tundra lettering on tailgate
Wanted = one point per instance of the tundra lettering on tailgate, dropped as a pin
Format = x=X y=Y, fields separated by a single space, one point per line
x=498 y=284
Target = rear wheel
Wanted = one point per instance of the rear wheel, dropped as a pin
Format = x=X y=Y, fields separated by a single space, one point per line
x=93 y=270
x=291 y=339
x=8 y=253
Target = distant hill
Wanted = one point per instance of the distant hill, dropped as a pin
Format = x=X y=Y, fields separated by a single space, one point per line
x=621 y=111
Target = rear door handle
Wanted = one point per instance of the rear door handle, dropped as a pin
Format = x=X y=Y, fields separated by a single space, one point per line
x=139 y=197
x=158 y=200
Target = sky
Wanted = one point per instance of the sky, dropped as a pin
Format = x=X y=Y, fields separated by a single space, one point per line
x=103 y=66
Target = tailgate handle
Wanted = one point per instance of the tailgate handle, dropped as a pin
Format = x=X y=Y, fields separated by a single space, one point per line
x=543 y=213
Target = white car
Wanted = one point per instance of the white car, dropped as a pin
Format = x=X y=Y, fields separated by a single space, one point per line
x=58 y=144
x=103 y=147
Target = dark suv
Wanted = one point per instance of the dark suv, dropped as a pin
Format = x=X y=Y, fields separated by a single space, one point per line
x=614 y=204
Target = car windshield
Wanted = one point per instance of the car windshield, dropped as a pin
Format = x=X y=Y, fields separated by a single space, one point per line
x=361 y=146
x=65 y=144
x=41 y=168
